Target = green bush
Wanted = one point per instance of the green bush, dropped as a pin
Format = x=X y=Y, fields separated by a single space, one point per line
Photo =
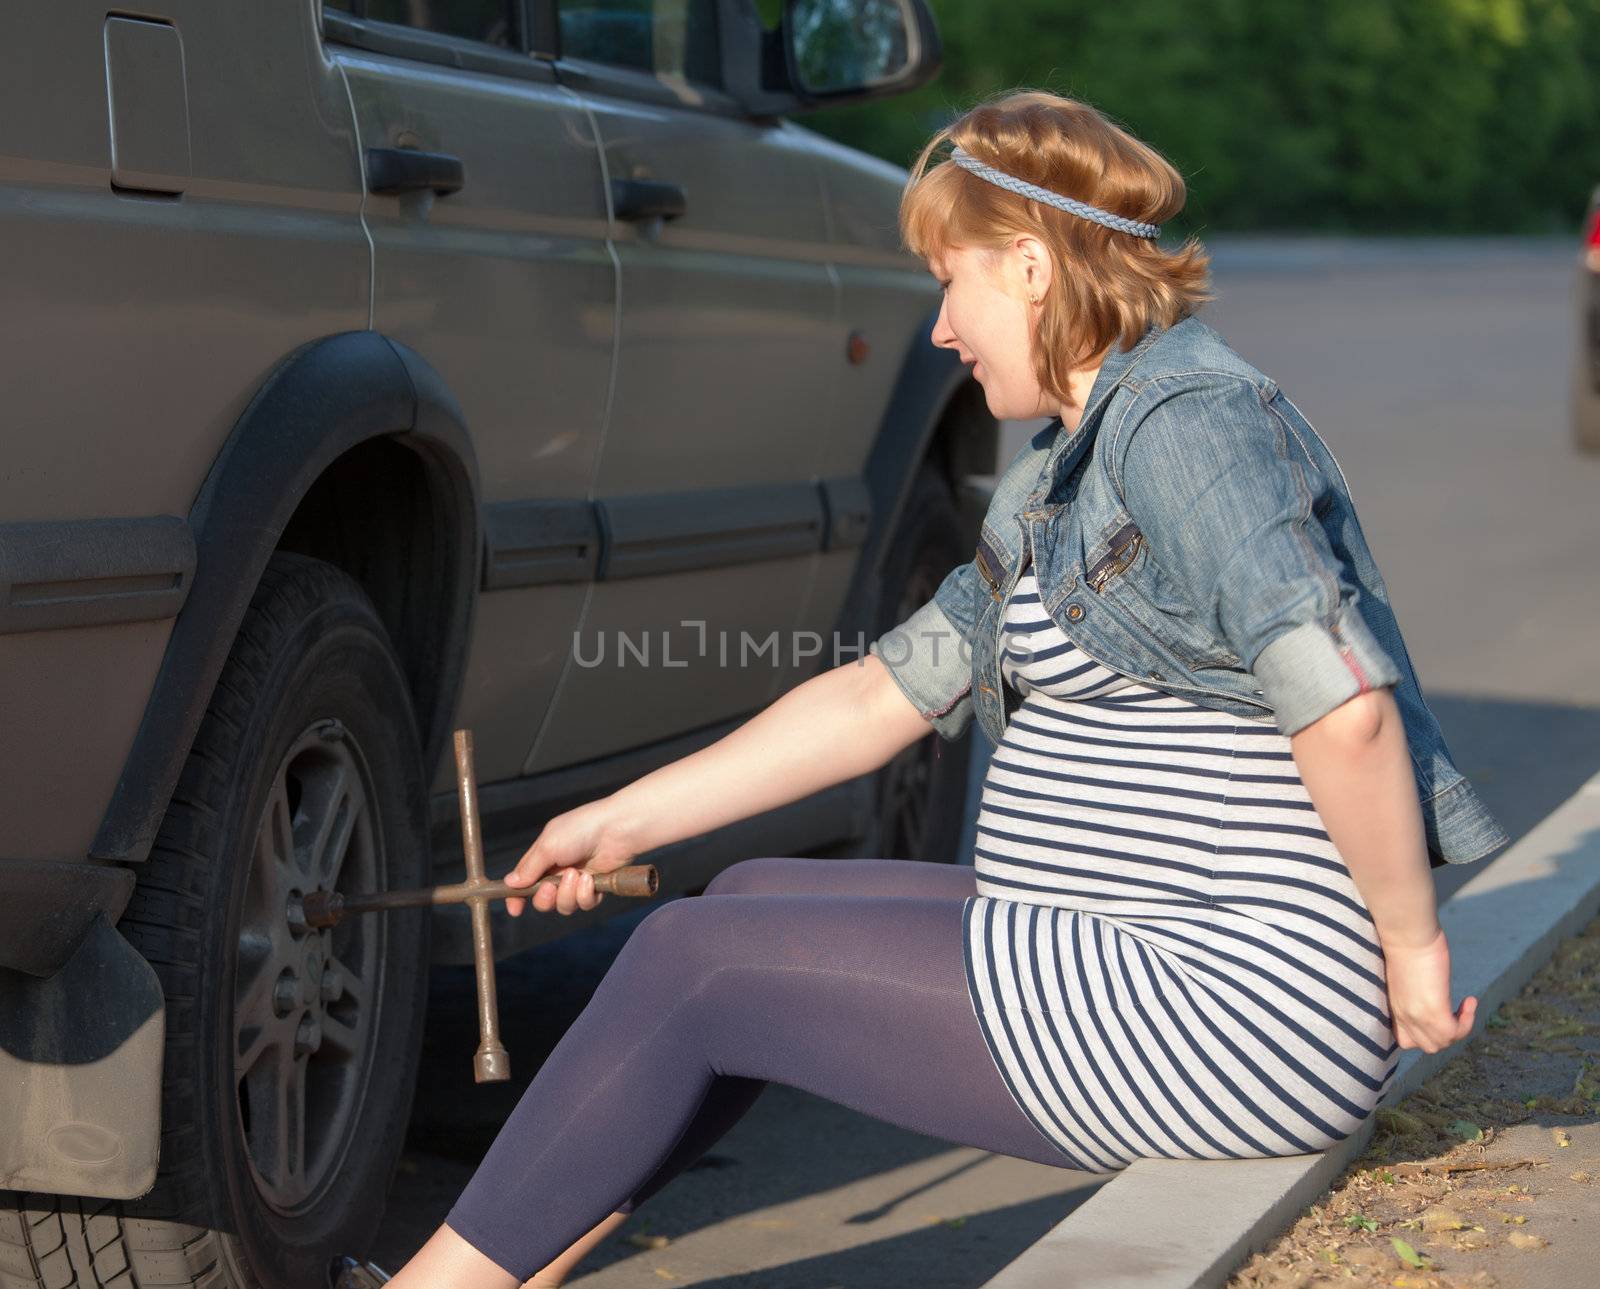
x=1365 y=115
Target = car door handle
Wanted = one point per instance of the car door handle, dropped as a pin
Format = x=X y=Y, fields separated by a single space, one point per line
x=633 y=199
x=410 y=170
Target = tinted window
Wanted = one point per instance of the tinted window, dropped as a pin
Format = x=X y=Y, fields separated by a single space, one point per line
x=668 y=37
x=486 y=20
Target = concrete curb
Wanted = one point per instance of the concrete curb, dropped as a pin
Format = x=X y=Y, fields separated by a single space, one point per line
x=1188 y=1224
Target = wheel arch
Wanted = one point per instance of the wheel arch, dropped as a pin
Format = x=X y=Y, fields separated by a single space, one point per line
x=935 y=412
x=340 y=411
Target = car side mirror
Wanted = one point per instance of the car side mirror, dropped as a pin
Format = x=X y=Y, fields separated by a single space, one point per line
x=827 y=52
x=846 y=49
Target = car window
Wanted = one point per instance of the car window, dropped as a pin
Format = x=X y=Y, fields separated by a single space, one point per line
x=489 y=21
x=667 y=37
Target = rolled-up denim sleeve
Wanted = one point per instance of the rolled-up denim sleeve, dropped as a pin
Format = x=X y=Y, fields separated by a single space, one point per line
x=1231 y=517
x=930 y=653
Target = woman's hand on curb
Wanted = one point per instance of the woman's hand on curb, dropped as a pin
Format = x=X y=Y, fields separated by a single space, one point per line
x=1419 y=996
x=581 y=843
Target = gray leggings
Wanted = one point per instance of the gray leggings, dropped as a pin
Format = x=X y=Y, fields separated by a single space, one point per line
x=841 y=977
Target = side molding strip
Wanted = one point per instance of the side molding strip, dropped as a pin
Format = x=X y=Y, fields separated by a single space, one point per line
x=566 y=540
x=651 y=534
x=534 y=542
x=93 y=572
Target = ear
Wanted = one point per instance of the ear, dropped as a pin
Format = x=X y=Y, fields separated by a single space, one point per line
x=1035 y=265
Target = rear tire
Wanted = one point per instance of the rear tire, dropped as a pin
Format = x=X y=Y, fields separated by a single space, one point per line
x=291 y=1052
x=922 y=792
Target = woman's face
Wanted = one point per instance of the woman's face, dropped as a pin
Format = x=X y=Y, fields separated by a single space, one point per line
x=991 y=309
x=988 y=319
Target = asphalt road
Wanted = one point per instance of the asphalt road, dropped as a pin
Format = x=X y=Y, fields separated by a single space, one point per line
x=1436 y=371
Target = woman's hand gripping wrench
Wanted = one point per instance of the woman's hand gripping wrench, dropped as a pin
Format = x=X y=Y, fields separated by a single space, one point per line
x=326 y=908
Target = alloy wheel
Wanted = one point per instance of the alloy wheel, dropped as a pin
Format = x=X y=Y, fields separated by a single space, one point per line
x=305 y=998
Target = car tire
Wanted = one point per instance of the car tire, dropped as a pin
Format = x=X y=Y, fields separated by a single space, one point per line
x=921 y=794
x=286 y=1088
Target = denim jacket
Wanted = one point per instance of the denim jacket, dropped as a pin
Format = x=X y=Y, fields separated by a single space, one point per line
x=1192 y=532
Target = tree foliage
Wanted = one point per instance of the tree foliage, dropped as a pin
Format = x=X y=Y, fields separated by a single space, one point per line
x=1365 y=115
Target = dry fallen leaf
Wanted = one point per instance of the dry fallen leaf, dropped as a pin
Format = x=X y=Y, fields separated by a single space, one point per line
x=1500 y=1215
x=1527 y=1240
x=641 y=1241
x=1441 y=1219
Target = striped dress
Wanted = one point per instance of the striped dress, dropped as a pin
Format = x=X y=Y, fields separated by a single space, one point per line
x=1166 y=953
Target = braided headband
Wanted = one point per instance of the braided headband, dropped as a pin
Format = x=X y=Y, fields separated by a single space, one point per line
x=1023 y=188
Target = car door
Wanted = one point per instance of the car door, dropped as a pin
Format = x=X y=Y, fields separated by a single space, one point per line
x=488 y=219
x=173 y=226
x=727 y=350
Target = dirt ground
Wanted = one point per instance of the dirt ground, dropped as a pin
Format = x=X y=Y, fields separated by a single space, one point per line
x=1488 y=1175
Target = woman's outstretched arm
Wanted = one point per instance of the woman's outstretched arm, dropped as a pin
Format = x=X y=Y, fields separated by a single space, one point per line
x=848 y=721
x=1355 y=765
x=845 y=722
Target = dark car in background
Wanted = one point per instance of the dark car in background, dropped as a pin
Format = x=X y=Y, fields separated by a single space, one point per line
x=1585 y=395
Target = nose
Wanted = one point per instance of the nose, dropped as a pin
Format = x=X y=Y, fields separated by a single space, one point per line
x=942 y=334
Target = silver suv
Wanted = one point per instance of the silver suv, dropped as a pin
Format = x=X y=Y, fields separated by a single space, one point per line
x=373 y=370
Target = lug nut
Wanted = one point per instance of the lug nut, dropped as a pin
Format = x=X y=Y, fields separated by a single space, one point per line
x=307 y=1037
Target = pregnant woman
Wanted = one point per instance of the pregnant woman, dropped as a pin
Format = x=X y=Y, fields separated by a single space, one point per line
x=1201 y=920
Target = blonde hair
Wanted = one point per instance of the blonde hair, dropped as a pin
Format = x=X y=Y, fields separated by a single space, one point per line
x=1108 y=285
